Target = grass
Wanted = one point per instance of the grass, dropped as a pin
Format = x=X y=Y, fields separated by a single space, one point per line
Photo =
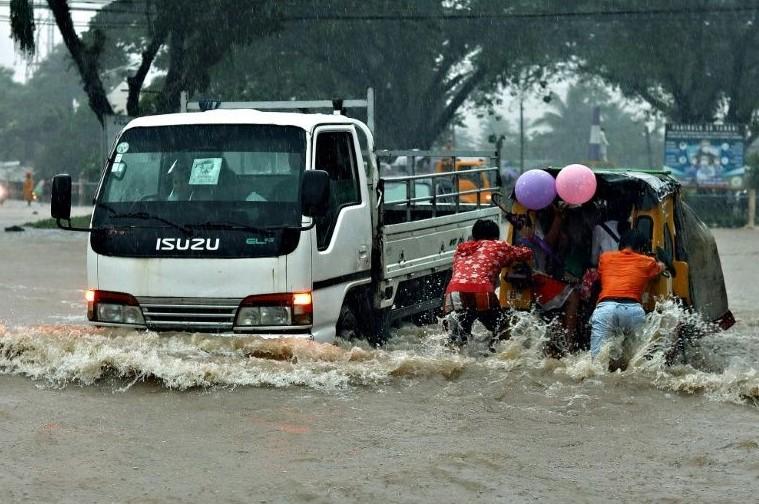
x=80 y=221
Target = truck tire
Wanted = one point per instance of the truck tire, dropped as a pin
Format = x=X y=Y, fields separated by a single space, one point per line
x=347 y=327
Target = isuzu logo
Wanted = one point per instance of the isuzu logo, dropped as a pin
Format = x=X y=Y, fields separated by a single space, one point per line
x=187 y=244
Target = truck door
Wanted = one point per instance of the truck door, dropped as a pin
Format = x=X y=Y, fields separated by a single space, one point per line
x=342 y=255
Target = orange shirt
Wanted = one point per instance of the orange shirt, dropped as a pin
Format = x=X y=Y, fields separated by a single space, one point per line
x=624 y=274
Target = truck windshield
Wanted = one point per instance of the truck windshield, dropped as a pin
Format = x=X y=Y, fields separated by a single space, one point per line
x=208 y=173
x=236 y=186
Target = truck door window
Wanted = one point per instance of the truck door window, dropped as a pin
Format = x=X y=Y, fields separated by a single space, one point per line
x=335 y=155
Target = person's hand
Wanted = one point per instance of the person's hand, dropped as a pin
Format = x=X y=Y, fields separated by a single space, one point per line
x=664 y=258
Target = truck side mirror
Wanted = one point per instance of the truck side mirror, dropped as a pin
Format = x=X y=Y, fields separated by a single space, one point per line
x=60 y=197
x=314 y=193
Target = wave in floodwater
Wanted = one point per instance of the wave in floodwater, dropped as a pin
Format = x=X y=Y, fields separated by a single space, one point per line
x=720 y=365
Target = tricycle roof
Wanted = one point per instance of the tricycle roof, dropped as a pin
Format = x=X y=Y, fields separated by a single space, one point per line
x=651 y=186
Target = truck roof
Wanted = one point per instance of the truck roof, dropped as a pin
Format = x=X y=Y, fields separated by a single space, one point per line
x=305 y=121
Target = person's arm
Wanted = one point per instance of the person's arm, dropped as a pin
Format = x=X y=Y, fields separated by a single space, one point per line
x=654 y=268
x=508 y=254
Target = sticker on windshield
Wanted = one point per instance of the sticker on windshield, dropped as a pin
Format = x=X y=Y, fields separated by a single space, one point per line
x=122 y=148
x=118 y=157
x=205 y=171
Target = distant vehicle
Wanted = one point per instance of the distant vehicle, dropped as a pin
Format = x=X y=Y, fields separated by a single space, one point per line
x=472 y=185
x=268 y=223
x=397 y=191
x=3 y=193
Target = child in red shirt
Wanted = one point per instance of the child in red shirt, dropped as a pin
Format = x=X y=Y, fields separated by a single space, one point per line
x=471 y=292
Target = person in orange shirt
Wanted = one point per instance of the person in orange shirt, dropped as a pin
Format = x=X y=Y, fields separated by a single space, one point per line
x=624 y=275
x=28 y=188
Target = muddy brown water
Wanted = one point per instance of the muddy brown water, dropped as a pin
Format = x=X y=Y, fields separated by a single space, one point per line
x=92 y=415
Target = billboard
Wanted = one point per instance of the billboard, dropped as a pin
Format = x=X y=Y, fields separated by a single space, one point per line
x=705 y=155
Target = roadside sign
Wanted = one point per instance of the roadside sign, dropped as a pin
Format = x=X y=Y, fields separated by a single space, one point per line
x=706 y=155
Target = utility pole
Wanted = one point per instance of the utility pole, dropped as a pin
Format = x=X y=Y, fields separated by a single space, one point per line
x=594 y=145
x=649 y=153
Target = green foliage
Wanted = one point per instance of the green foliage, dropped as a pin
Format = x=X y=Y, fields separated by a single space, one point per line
x=422 y=68
x=82 y=221
x=425 y=59
x=39 y=125
x=22 y=25
x=693 y=68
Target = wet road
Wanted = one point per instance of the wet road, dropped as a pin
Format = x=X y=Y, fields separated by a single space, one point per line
x=91 y=415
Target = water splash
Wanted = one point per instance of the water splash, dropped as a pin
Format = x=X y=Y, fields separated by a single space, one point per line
x=720 y=366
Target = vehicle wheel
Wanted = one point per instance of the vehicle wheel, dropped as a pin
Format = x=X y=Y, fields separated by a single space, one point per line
x=686 y=334
x=348 y=327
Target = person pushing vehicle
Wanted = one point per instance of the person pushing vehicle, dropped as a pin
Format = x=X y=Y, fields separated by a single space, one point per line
x=624 y=275
x=470 y=295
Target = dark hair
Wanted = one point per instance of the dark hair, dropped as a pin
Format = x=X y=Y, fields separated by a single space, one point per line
x=485 y=230
x=635 y=240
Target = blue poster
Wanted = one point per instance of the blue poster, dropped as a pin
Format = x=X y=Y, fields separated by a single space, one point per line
x=705 y=155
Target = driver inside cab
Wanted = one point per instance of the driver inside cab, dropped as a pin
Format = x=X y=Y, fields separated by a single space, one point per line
x=180 y=182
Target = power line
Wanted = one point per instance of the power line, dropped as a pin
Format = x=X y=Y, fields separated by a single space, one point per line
x=452 y=16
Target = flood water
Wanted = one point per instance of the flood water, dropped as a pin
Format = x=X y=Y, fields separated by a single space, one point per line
x=95 y=415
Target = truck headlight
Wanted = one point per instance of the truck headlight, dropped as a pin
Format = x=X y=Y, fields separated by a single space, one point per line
x=275 y=315
x=113 y=307
x=275 y=310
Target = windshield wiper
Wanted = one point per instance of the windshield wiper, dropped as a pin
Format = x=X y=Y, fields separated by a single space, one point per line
x=144 y=216
x=232 y=226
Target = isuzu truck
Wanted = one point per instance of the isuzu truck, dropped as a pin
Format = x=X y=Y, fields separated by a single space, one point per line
x=236 y=220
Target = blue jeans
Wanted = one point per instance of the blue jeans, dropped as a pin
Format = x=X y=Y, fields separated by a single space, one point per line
x=610 y=317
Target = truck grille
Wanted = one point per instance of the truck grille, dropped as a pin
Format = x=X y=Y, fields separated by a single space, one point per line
x=216 y=314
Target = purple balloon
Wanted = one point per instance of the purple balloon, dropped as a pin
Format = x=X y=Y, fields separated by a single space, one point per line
x=535 y=189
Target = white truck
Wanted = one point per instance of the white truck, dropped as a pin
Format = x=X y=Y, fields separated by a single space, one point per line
x=237 y=220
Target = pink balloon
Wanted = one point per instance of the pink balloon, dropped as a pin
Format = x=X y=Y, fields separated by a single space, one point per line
x=576 y=184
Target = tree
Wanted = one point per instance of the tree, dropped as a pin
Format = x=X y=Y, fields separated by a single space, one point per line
x=423 y=64
x=196 y=34
x=566 y=130
x=693 y=60
x=41 y=125
x=84 y=51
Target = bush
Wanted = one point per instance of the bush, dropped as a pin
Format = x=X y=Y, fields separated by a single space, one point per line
x=80 y=221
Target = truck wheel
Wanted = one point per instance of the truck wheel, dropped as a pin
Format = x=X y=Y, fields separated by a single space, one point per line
x=347 y=324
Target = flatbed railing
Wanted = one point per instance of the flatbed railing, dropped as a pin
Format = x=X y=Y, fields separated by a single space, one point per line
x=445 y=194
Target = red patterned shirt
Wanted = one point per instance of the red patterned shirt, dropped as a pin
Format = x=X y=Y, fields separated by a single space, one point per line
x=476 y=264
